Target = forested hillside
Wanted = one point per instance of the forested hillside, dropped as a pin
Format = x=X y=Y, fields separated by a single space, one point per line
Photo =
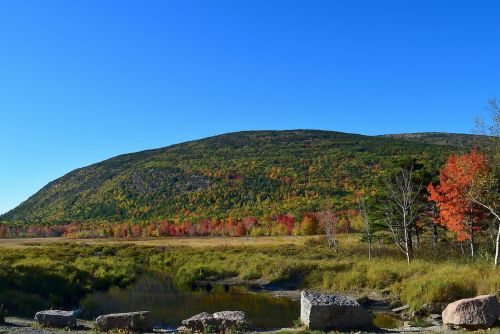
x=257 y=173
x=443 y=138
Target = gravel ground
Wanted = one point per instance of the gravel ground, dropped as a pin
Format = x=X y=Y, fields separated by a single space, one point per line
x=26 y=326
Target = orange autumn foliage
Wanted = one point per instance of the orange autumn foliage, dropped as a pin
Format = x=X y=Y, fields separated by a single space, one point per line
x=457 y=212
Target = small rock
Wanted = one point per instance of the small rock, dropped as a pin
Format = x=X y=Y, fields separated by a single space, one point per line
x=141 y=321
x=319 y=311
x=56 y=318
x=401 y=309
x=435 y=316
x=472 y=313
x=432 y=321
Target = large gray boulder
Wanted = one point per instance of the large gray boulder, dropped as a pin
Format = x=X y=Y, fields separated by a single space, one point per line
x=199 y=322
x=141 y=321
x=219 y=321
x=319 y=311
x=472 y=313
x=56 y=318
x=228 y=319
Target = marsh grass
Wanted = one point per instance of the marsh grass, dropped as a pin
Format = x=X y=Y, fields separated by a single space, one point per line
x=60 y=274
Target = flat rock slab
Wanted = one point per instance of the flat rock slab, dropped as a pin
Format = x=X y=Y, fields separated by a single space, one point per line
x=141 y=321
x=219 y=321
x=472 y=313
x=320 y=312
x=401 y=308
x=56 y=318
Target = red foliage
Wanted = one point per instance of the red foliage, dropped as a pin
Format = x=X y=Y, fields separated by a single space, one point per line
x=136 y=231
x=457 y=212
x=288 y=221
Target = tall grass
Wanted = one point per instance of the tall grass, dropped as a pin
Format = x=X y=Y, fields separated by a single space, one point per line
x=58 y=275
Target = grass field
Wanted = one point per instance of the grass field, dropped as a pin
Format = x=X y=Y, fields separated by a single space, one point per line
x=199 y=242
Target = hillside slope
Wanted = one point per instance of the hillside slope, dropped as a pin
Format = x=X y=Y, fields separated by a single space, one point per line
x=257 y=173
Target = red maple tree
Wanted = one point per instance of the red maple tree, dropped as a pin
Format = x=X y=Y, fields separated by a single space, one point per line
x=457 y=211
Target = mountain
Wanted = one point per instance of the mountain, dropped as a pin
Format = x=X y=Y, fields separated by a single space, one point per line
x=254 y=173
x=443 y=138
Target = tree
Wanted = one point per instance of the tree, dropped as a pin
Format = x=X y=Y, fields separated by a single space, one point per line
x=328 y=219
x=400 y=209
x=485 y=192
x=136 y=231
x=485 y=188
x=309 y=224
x=458 y=211
x=367 y=226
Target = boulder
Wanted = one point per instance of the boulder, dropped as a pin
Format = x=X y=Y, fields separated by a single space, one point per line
x=228 y=319
x=320 y=312
x=219 y=321
x=56 y=318
x=199 y=322
x=141 y=321
x=472 y=313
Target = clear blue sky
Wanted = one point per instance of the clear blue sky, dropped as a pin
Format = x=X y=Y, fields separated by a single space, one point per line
x=81 y=80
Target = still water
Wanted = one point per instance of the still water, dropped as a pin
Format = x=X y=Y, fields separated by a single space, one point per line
x=170 y=306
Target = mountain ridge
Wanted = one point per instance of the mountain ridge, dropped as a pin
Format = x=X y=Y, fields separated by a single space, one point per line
x=247 y=173
x=443 y=138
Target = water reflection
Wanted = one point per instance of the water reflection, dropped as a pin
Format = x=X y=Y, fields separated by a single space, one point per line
x=170 y=306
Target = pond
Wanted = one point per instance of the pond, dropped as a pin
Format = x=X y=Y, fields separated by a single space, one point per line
x=170 y=305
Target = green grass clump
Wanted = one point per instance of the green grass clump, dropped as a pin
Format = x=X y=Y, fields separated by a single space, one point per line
x=447 y=282
x=382 y=276
x=189 y=274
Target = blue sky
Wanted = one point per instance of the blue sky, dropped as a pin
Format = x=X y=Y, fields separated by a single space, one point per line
x=81 y=80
